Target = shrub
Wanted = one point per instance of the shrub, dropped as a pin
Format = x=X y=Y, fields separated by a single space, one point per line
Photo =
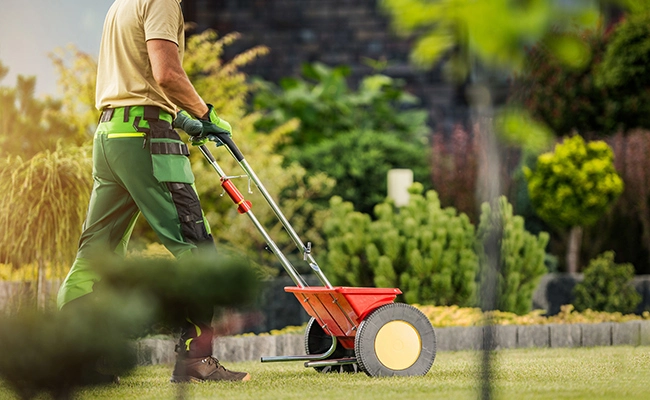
x=355 y=136
x=360 y=161
x=607 y=286
x=522 y=256
x=425 y=250
x=327 y=107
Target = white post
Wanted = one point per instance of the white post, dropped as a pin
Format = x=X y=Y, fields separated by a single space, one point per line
x=399 y=180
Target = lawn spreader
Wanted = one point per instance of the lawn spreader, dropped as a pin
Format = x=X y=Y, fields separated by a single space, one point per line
x=351 y=328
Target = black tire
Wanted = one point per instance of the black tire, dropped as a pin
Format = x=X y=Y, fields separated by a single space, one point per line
x=318 y=342
x=395 y=339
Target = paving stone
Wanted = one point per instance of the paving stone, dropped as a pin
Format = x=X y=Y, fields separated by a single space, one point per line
x=444 y=337
x=533 y=336
x=565 y=335
x=506 y=337
x=627 y=333
x=290 y=345
x=597 y=334
x=644 y=333
x=459 y=338
x=155 y=351
x=232 y=349
x=260 y=346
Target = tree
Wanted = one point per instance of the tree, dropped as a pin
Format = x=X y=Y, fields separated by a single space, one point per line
x=566 y=98
x=77 y=77
x=574 y=187
x=623 y=72
x=31 y=125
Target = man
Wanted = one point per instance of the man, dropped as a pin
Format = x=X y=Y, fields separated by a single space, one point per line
x=140 y=165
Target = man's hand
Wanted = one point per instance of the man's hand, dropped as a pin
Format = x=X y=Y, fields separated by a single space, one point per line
x=195 y=128
x=185 y=122
x=212 y=124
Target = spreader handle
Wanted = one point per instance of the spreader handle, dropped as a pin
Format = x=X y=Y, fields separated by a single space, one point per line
x=237 y=154
x=227 y=140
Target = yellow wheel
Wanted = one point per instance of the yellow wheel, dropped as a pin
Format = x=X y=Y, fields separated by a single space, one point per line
x=395 y=339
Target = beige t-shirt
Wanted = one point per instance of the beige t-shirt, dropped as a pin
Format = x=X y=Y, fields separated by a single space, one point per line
x=124 y=75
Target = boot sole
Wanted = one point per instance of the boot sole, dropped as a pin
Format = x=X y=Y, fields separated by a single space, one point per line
x=191 y=379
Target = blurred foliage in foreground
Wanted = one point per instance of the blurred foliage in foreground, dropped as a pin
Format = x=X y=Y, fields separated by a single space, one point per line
x=59 y=352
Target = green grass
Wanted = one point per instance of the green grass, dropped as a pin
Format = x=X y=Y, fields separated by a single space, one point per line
x=584 y=373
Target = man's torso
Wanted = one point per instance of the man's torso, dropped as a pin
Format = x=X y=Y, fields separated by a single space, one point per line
x=124 y=75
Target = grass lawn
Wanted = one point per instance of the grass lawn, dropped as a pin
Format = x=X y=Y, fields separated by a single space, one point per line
x=582 y=373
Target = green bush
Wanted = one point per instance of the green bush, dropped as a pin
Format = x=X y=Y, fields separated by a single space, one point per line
x=607 y=286
x=360 y=161
x=522 y=256
x=425 y=250
x=327 y=107
x=354 y=136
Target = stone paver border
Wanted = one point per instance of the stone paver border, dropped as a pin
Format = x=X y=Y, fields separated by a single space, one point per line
x=251 y=348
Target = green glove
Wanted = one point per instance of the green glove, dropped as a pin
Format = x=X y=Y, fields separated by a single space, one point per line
x=188 y=124
x=212 y=124
x=192 y=127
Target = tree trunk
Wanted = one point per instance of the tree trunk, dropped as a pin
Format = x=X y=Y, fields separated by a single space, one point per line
x=573 y=252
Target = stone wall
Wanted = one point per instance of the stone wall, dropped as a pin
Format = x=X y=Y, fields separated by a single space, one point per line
x=252 y=348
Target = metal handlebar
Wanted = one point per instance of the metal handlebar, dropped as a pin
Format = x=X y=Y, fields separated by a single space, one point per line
x=306 y=250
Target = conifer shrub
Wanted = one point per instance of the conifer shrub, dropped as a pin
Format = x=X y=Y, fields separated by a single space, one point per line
x=425 y=250
x=521 y=263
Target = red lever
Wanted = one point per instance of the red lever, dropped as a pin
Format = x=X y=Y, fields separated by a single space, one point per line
x=243 y=206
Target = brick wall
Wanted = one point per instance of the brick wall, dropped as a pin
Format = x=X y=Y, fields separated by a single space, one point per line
x=334 y=32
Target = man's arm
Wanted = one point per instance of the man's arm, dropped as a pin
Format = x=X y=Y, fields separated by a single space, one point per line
x=168 y=72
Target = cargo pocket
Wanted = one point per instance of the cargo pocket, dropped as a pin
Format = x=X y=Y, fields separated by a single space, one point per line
x=168 y=166
x=169 y=155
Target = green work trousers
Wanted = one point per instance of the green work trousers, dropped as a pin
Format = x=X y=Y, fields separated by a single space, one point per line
x=138 y=167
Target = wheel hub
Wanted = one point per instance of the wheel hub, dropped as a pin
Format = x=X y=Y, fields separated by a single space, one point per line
x=398 y=345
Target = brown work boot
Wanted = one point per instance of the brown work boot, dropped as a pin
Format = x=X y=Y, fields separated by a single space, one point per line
x=204 y=369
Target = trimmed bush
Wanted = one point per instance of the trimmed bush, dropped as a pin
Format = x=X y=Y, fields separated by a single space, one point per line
x=607 y=286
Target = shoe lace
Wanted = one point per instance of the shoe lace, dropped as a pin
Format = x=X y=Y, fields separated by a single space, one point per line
x=213 y=361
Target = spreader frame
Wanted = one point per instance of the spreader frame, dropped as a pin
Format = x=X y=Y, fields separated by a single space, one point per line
x=339 y=311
